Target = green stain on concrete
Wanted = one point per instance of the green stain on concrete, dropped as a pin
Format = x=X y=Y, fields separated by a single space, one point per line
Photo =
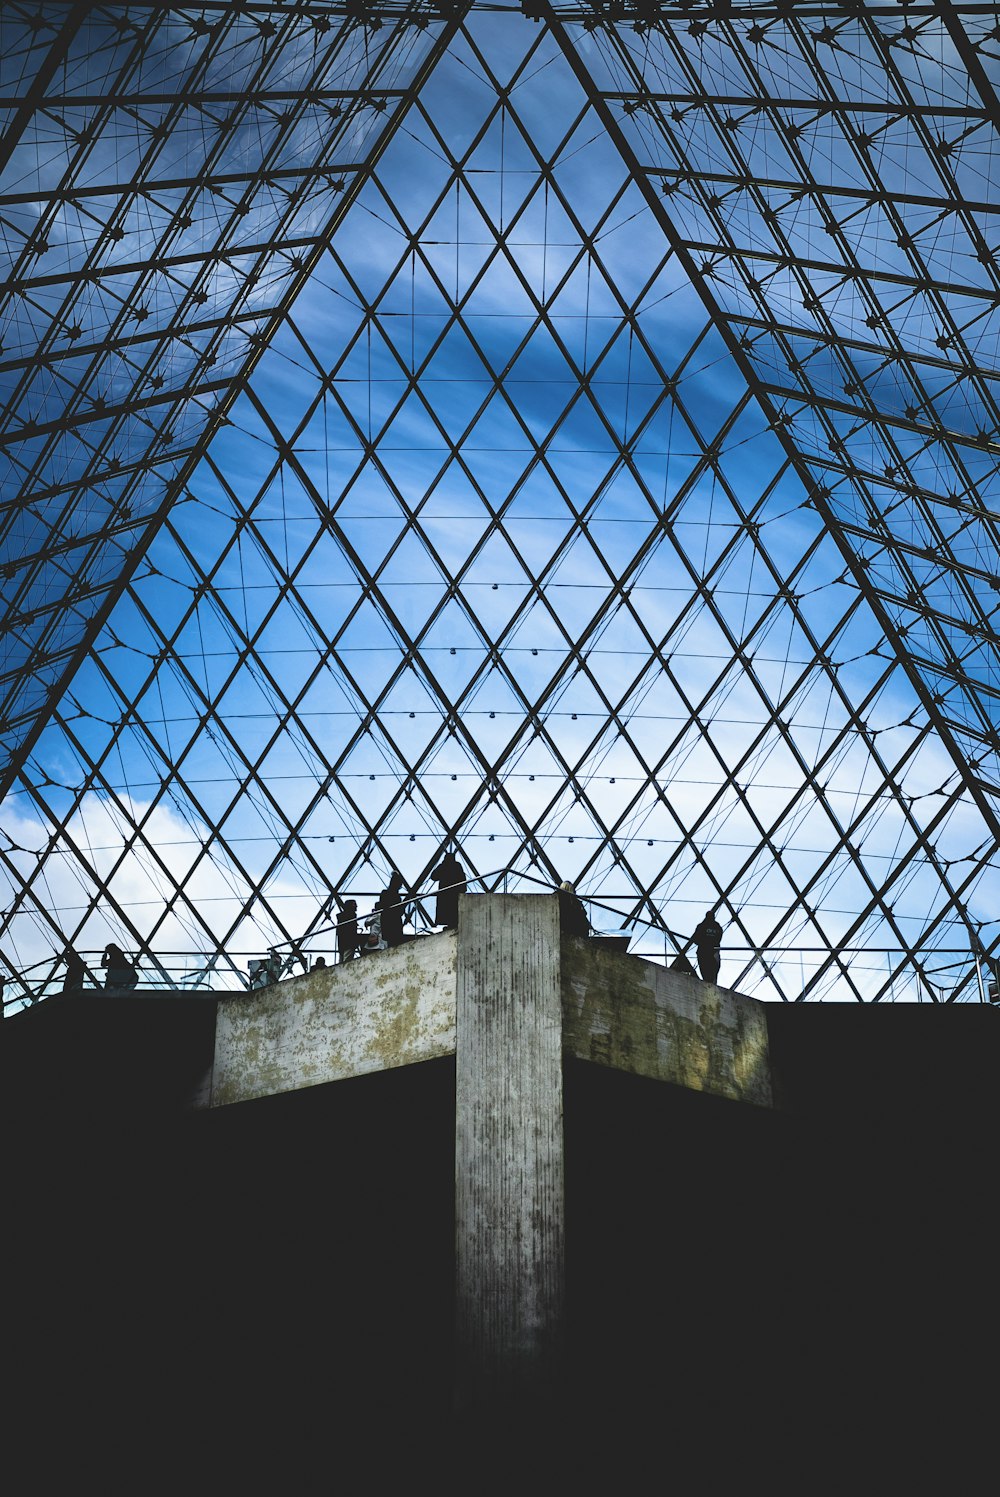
x=633 y=1015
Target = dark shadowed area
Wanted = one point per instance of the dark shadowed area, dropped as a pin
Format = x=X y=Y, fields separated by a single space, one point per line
x=259 y=1298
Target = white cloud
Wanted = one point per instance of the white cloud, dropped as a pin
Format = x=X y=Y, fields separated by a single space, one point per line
x=67 y=886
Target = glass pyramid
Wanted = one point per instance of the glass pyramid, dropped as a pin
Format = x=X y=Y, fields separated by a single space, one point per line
x=566 y=436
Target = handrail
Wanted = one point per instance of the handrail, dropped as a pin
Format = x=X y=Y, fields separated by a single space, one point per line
x=223 y=963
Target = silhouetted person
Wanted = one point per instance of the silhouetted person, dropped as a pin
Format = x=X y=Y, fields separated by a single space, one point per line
x=319 y=962
x=572 y=915
x=76 y=971
x=390 y=909
x=707 y=941
x=449 y=875
x=347 y=931
x=121 y=972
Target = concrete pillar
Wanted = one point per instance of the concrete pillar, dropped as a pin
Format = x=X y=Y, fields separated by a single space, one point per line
x=509 y=1162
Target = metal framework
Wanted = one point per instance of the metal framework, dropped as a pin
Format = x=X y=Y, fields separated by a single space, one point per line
x=567 y=434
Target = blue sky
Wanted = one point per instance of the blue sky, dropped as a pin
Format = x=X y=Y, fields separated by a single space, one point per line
x=461 y=473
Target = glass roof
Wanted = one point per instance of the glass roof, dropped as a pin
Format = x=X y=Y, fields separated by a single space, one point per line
x=572 y=440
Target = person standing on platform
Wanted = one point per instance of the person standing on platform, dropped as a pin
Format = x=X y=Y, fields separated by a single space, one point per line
x=347 y=931
x=449 y=875
x=707 y=942
x=390 y=908
x=76 y=971
x=121 y=972
x=572 y=915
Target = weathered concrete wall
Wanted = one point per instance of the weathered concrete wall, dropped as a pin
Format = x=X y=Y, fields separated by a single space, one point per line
x=371 y=1014
x=509 y=1159
x=400 y=1006
x=624 y=1012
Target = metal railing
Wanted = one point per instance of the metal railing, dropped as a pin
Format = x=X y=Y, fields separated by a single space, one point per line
x=233 y=970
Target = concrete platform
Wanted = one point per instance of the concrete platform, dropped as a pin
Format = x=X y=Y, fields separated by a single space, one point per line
x=399 y=1007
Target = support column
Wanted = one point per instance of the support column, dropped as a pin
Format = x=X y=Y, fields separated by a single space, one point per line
x=509 y=1174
